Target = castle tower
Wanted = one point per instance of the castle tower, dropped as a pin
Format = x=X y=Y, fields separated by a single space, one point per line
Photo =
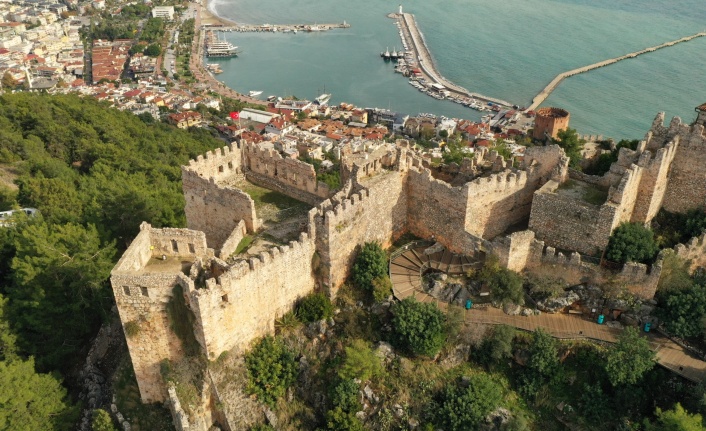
x=549 y=121
x=701 y=114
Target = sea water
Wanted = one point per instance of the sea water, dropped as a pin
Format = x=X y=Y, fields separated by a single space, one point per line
x=509 y=50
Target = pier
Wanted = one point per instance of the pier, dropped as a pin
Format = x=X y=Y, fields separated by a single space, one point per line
x=542 y=96
x=278 y=28
x=425 y=62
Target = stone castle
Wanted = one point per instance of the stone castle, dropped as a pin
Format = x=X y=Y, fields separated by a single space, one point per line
x=468 y=208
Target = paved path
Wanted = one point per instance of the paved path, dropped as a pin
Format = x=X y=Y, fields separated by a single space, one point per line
x=541 y=97
x=405 y=271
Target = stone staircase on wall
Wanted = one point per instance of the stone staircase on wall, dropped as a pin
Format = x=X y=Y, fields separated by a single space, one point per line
x=407 y=267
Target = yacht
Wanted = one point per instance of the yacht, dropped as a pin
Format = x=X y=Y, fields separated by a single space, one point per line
x=254 y=93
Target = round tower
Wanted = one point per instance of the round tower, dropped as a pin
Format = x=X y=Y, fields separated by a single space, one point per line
x=548 y=122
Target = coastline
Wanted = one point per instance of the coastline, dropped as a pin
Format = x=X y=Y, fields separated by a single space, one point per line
x=210 y=17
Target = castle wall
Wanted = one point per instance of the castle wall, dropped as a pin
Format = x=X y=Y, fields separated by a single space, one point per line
x=694 y=251
x=571 y=224
x=142 y=290
x=653 y=183
x=146 y=305
x=243 y=303
x=378 y=212
x=216 y=209
x=436 y=209
x=178 y=242
x=686 y=188
x=231 y=243
x=219 y=164
x=505 y=199
x=294 y=178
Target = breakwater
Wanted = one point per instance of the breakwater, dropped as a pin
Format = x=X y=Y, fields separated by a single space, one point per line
x=542 y=96
x=281 y=28
x=424 y=61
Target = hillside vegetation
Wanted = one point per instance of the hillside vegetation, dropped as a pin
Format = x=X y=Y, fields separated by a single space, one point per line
x=95 y=174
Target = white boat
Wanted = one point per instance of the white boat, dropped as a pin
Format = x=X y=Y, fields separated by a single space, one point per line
x=254 y=93
x=271 y=98
x=323 y=99
x=221 y=48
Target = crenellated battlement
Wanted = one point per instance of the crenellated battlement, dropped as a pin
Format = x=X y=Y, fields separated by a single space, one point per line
x=508 y=180
x=694 y=251
x=218 y=164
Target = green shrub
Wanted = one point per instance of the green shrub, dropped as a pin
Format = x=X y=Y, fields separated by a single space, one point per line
x=631 y=242
x=339 y=420
x=271 y=370
x=132 y=328
x=465 y=408
x=346 y=395
x=382 y=288
x=418 y=327
x=314 y=307
x=683 y=311
x=360 y=362
x=370 y=263
x=102 y=421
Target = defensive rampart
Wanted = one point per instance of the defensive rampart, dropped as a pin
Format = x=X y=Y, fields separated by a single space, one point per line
x=686 y=185
x=694 y=252
x=297 y=179
x=242 y=303
x=213 y=206
x=376 y=212
x=520 y=251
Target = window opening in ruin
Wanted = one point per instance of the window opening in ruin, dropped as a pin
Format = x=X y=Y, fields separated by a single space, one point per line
x=126 y=289
x=144 y=292
x=192 y=249
x=220 y=169
x=224 y=298
x=230 y=165
x=175 y=246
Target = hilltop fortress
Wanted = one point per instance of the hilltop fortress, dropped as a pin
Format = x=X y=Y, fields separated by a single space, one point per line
x=523 y=212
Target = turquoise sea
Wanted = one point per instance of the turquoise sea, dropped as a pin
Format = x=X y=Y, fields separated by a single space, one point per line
x=509 y=49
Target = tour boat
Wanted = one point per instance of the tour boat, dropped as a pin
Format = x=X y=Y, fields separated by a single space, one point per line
x=221 y=48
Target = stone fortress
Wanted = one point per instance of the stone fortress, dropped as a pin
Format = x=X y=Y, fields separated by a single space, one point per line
x=467 y=208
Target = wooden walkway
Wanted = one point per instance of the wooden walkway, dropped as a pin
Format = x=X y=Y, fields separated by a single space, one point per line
x=405 y=271
x=542 y=96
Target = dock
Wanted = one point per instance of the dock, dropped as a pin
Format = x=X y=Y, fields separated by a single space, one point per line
x=542 y=96
x=278 y=28
x=425 y=62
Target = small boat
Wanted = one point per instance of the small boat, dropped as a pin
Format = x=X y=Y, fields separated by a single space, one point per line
x=254 y=93
x=271 y=98
x=323 y=98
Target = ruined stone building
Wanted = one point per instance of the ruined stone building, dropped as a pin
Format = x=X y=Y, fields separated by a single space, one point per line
x=235 y=298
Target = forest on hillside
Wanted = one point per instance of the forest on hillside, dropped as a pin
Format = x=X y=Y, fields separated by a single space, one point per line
x=94 y=173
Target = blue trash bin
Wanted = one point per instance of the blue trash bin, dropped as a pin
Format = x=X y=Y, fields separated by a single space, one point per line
x=648 y=326
x=469 y=304
x=601 y=319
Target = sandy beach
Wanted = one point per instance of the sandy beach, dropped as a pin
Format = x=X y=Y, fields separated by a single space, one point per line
x=209 y=17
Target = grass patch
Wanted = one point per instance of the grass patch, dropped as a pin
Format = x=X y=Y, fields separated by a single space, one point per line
x=143 y=417
x=595 y=196
x=272 y=205
x=181 y=320
x=244 y=244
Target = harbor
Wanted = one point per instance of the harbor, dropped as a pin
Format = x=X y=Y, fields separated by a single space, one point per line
x=418 y=63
